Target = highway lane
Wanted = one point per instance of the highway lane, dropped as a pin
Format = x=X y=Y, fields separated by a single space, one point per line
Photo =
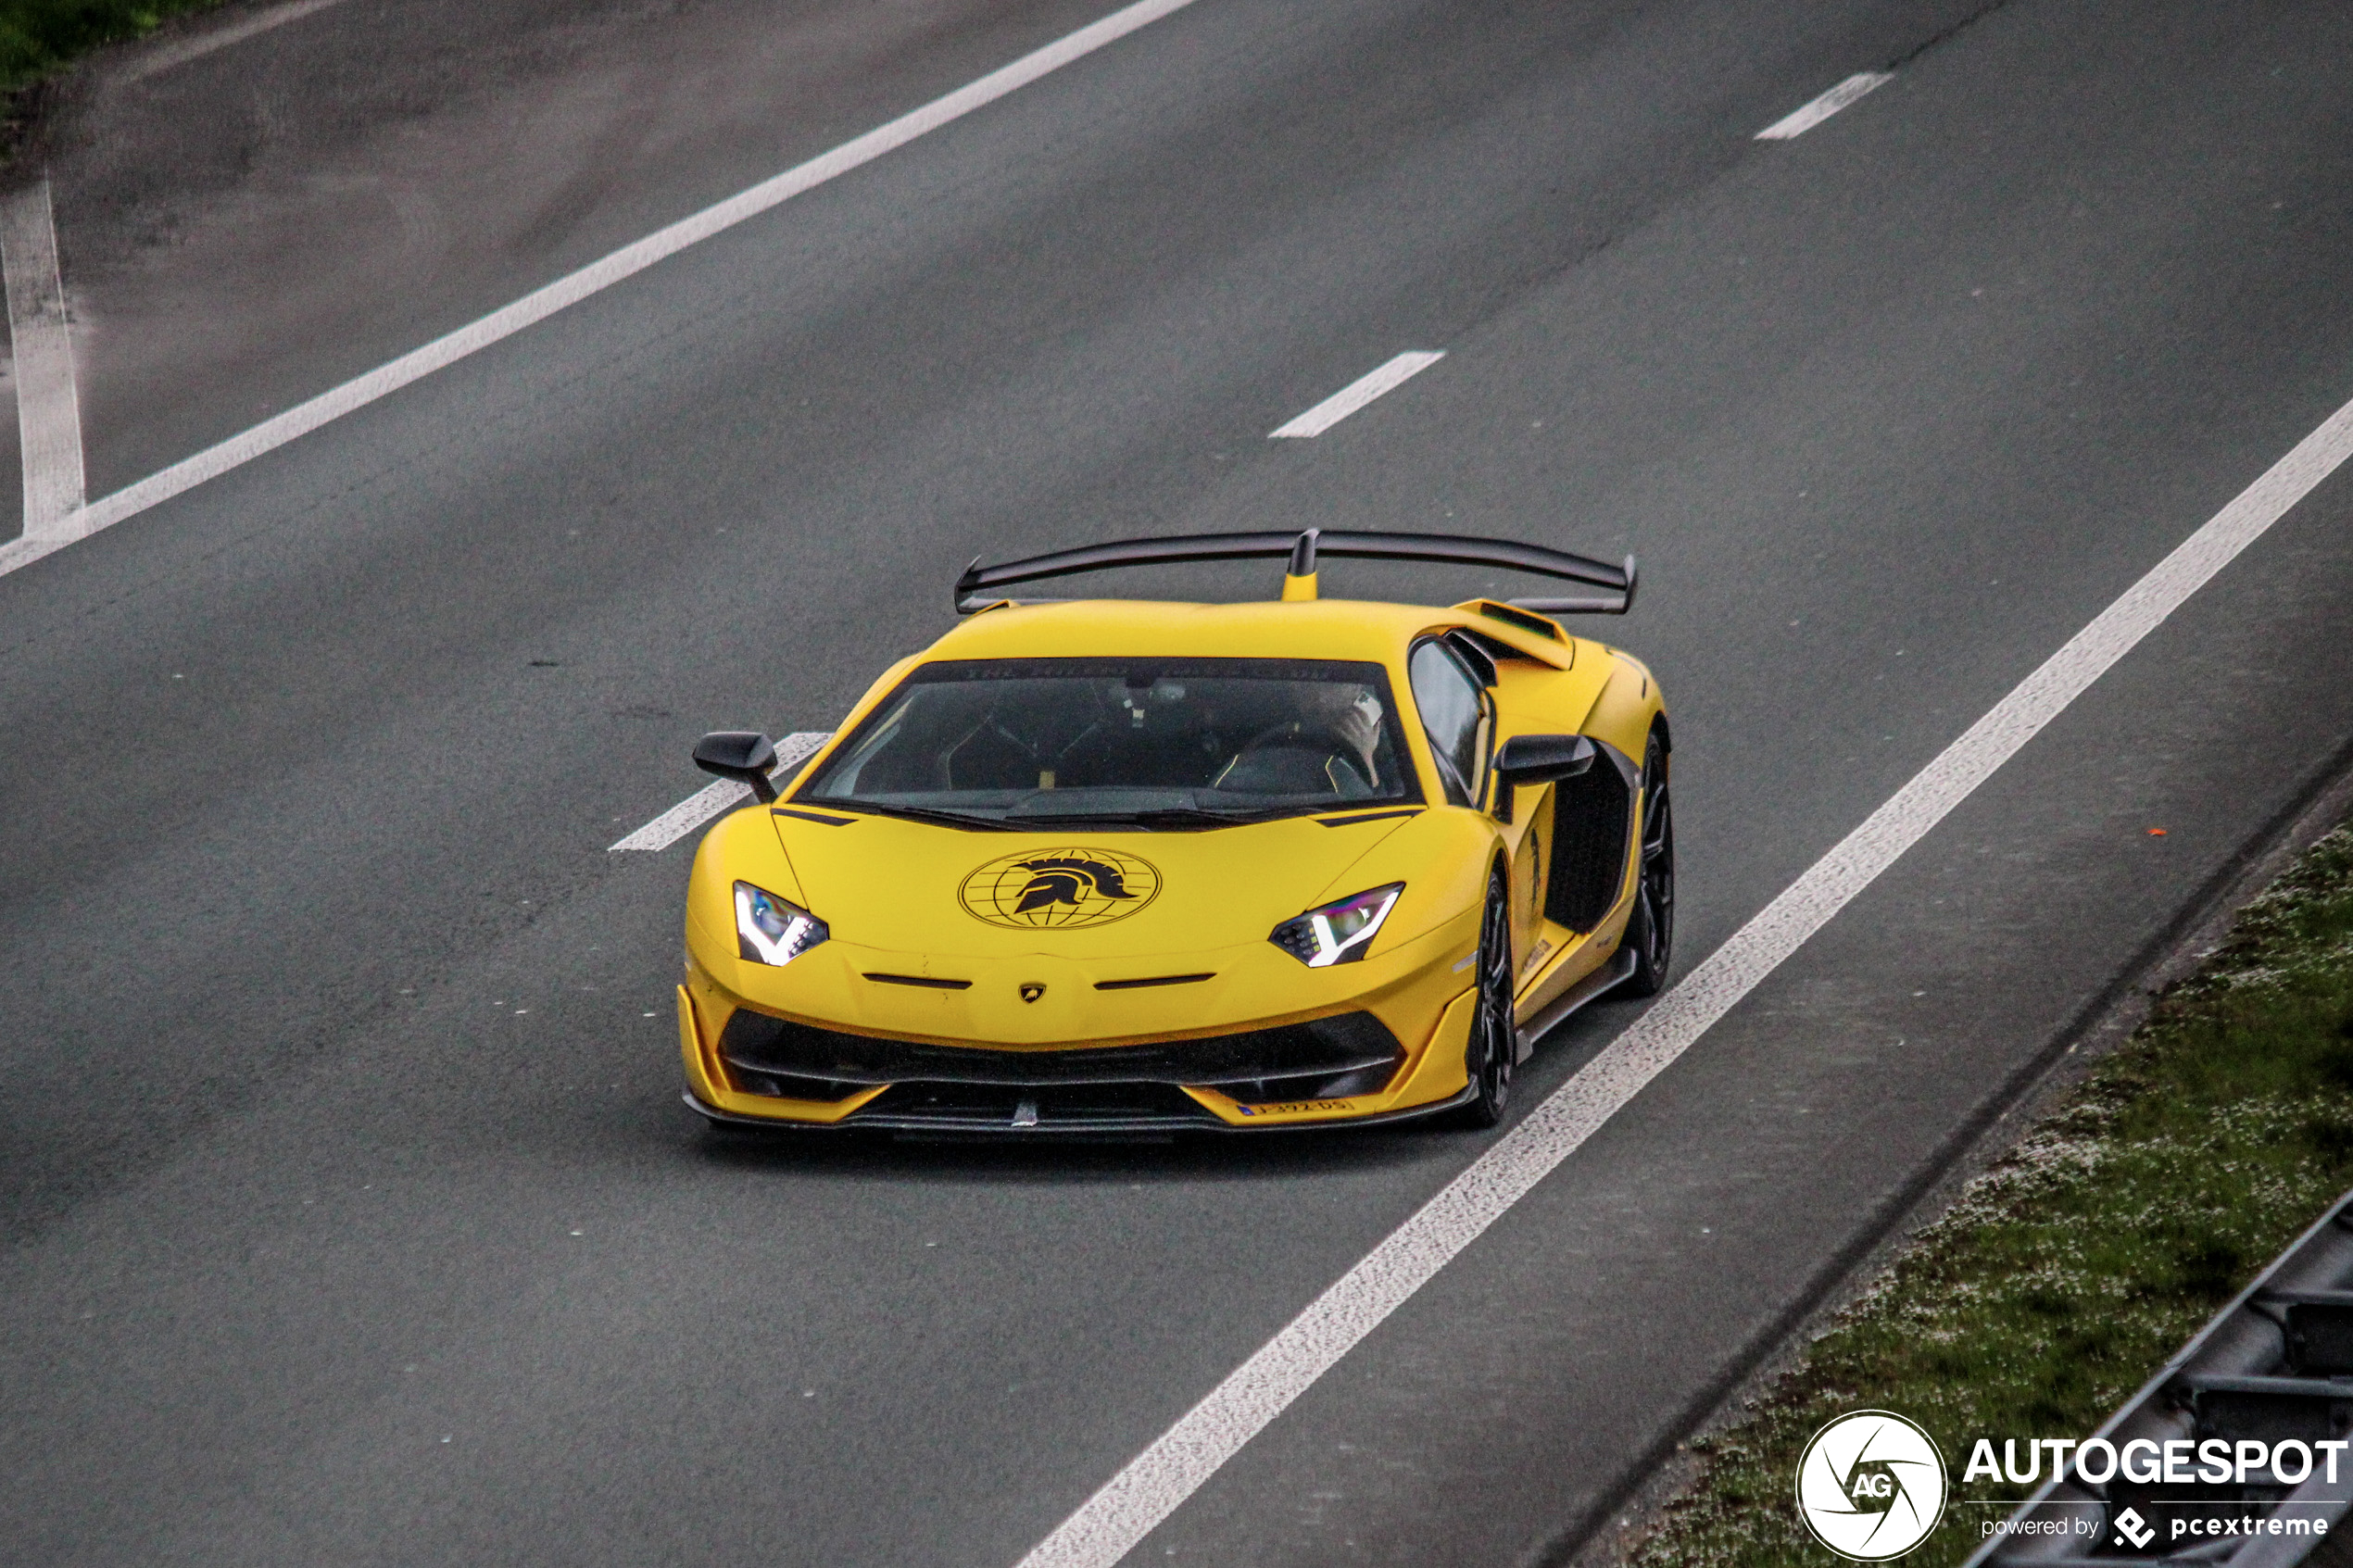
x=304 y=1183
x=250 y=226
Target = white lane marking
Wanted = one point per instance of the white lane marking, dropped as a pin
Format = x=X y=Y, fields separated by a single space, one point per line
x=182 y=51
x=597 y=276
x=1151 y=1485
x=720 y=796
x=1355 y=395
x=49 y=408
x=1829 y=103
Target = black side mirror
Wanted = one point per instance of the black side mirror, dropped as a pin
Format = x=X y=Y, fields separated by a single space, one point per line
x=1536 y=760
x=745 y=755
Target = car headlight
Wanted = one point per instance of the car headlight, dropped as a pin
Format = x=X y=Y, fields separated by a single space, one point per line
x=1337 y=933
x=770 y=930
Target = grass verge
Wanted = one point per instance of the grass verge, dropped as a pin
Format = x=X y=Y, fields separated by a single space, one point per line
x=37 y=36
x=2068 y=1272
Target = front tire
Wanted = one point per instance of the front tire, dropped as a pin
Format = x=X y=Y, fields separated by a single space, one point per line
x=1492 y=1049
x=1650 y=930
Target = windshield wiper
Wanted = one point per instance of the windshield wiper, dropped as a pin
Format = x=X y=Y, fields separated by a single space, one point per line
x=1177 y=818
x=931 y=814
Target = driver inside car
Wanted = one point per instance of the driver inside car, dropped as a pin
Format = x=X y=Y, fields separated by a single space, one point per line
x=1328 y=748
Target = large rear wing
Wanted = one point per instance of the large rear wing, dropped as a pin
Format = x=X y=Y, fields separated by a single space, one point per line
x=974 y=589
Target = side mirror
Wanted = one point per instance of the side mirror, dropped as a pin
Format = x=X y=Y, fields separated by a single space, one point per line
x=745 y=755
x=1536 y=760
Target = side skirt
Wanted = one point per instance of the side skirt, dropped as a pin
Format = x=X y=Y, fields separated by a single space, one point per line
x=1620 y=966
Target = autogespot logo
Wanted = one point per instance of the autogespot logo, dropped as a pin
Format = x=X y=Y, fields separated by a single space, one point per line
x=1871 y=1485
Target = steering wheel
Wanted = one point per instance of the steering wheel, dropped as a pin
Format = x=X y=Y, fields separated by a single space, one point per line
x=1316 y=745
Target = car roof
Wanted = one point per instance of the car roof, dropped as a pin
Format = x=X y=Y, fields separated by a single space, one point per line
x=1349 y=629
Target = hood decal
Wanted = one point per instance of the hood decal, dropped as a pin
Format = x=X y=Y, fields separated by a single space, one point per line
x=1060 y=889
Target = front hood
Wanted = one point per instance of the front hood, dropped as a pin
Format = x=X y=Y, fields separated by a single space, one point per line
x=896 y=886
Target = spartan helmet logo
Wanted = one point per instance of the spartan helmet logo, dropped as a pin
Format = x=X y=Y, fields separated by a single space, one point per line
x=1031 y=990
x=1060 y=889
x=1066 y=879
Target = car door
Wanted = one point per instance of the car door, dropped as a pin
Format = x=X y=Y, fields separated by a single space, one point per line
x=1458 y=717
x=1454 y=691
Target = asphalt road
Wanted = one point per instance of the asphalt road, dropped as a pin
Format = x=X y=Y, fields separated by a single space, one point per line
x=349 y=1214
x=247 y=225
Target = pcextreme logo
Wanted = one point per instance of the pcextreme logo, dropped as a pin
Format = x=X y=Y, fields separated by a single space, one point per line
x=1871 y=1485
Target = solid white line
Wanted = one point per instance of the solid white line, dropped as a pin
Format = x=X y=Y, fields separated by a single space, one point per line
x=1821 y=109
x=1152 y=1485
x=597 y=276
x=49 y=408
x=182 y=51
x=713 y=798
x=1355 y=395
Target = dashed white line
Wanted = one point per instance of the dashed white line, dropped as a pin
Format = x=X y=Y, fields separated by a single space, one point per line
x=1829 y=103
x=1355 y=395
x=595 y=277
x=721 y=795
x=48 y=407
x=1152 y=1485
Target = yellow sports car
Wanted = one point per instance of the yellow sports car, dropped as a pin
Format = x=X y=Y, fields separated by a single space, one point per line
x=1116 y=866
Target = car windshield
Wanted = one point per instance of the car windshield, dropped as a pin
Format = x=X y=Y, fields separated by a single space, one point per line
x=1149 y=743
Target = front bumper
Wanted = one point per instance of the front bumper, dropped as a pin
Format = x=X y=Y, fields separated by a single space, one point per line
x=747 y=1066
x=1101 y=1125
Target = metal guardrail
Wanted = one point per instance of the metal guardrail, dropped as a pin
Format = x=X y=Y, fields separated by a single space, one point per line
x=2275 y=1364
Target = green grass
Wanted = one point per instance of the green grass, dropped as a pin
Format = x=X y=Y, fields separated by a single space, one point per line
x=37 y=36
x=2067 y=1274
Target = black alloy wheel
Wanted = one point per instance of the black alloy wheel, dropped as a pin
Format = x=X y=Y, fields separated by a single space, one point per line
x=1493 y=1048
x=1650 y=931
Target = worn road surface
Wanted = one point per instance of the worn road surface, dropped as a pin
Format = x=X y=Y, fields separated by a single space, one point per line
x=347 y=1213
